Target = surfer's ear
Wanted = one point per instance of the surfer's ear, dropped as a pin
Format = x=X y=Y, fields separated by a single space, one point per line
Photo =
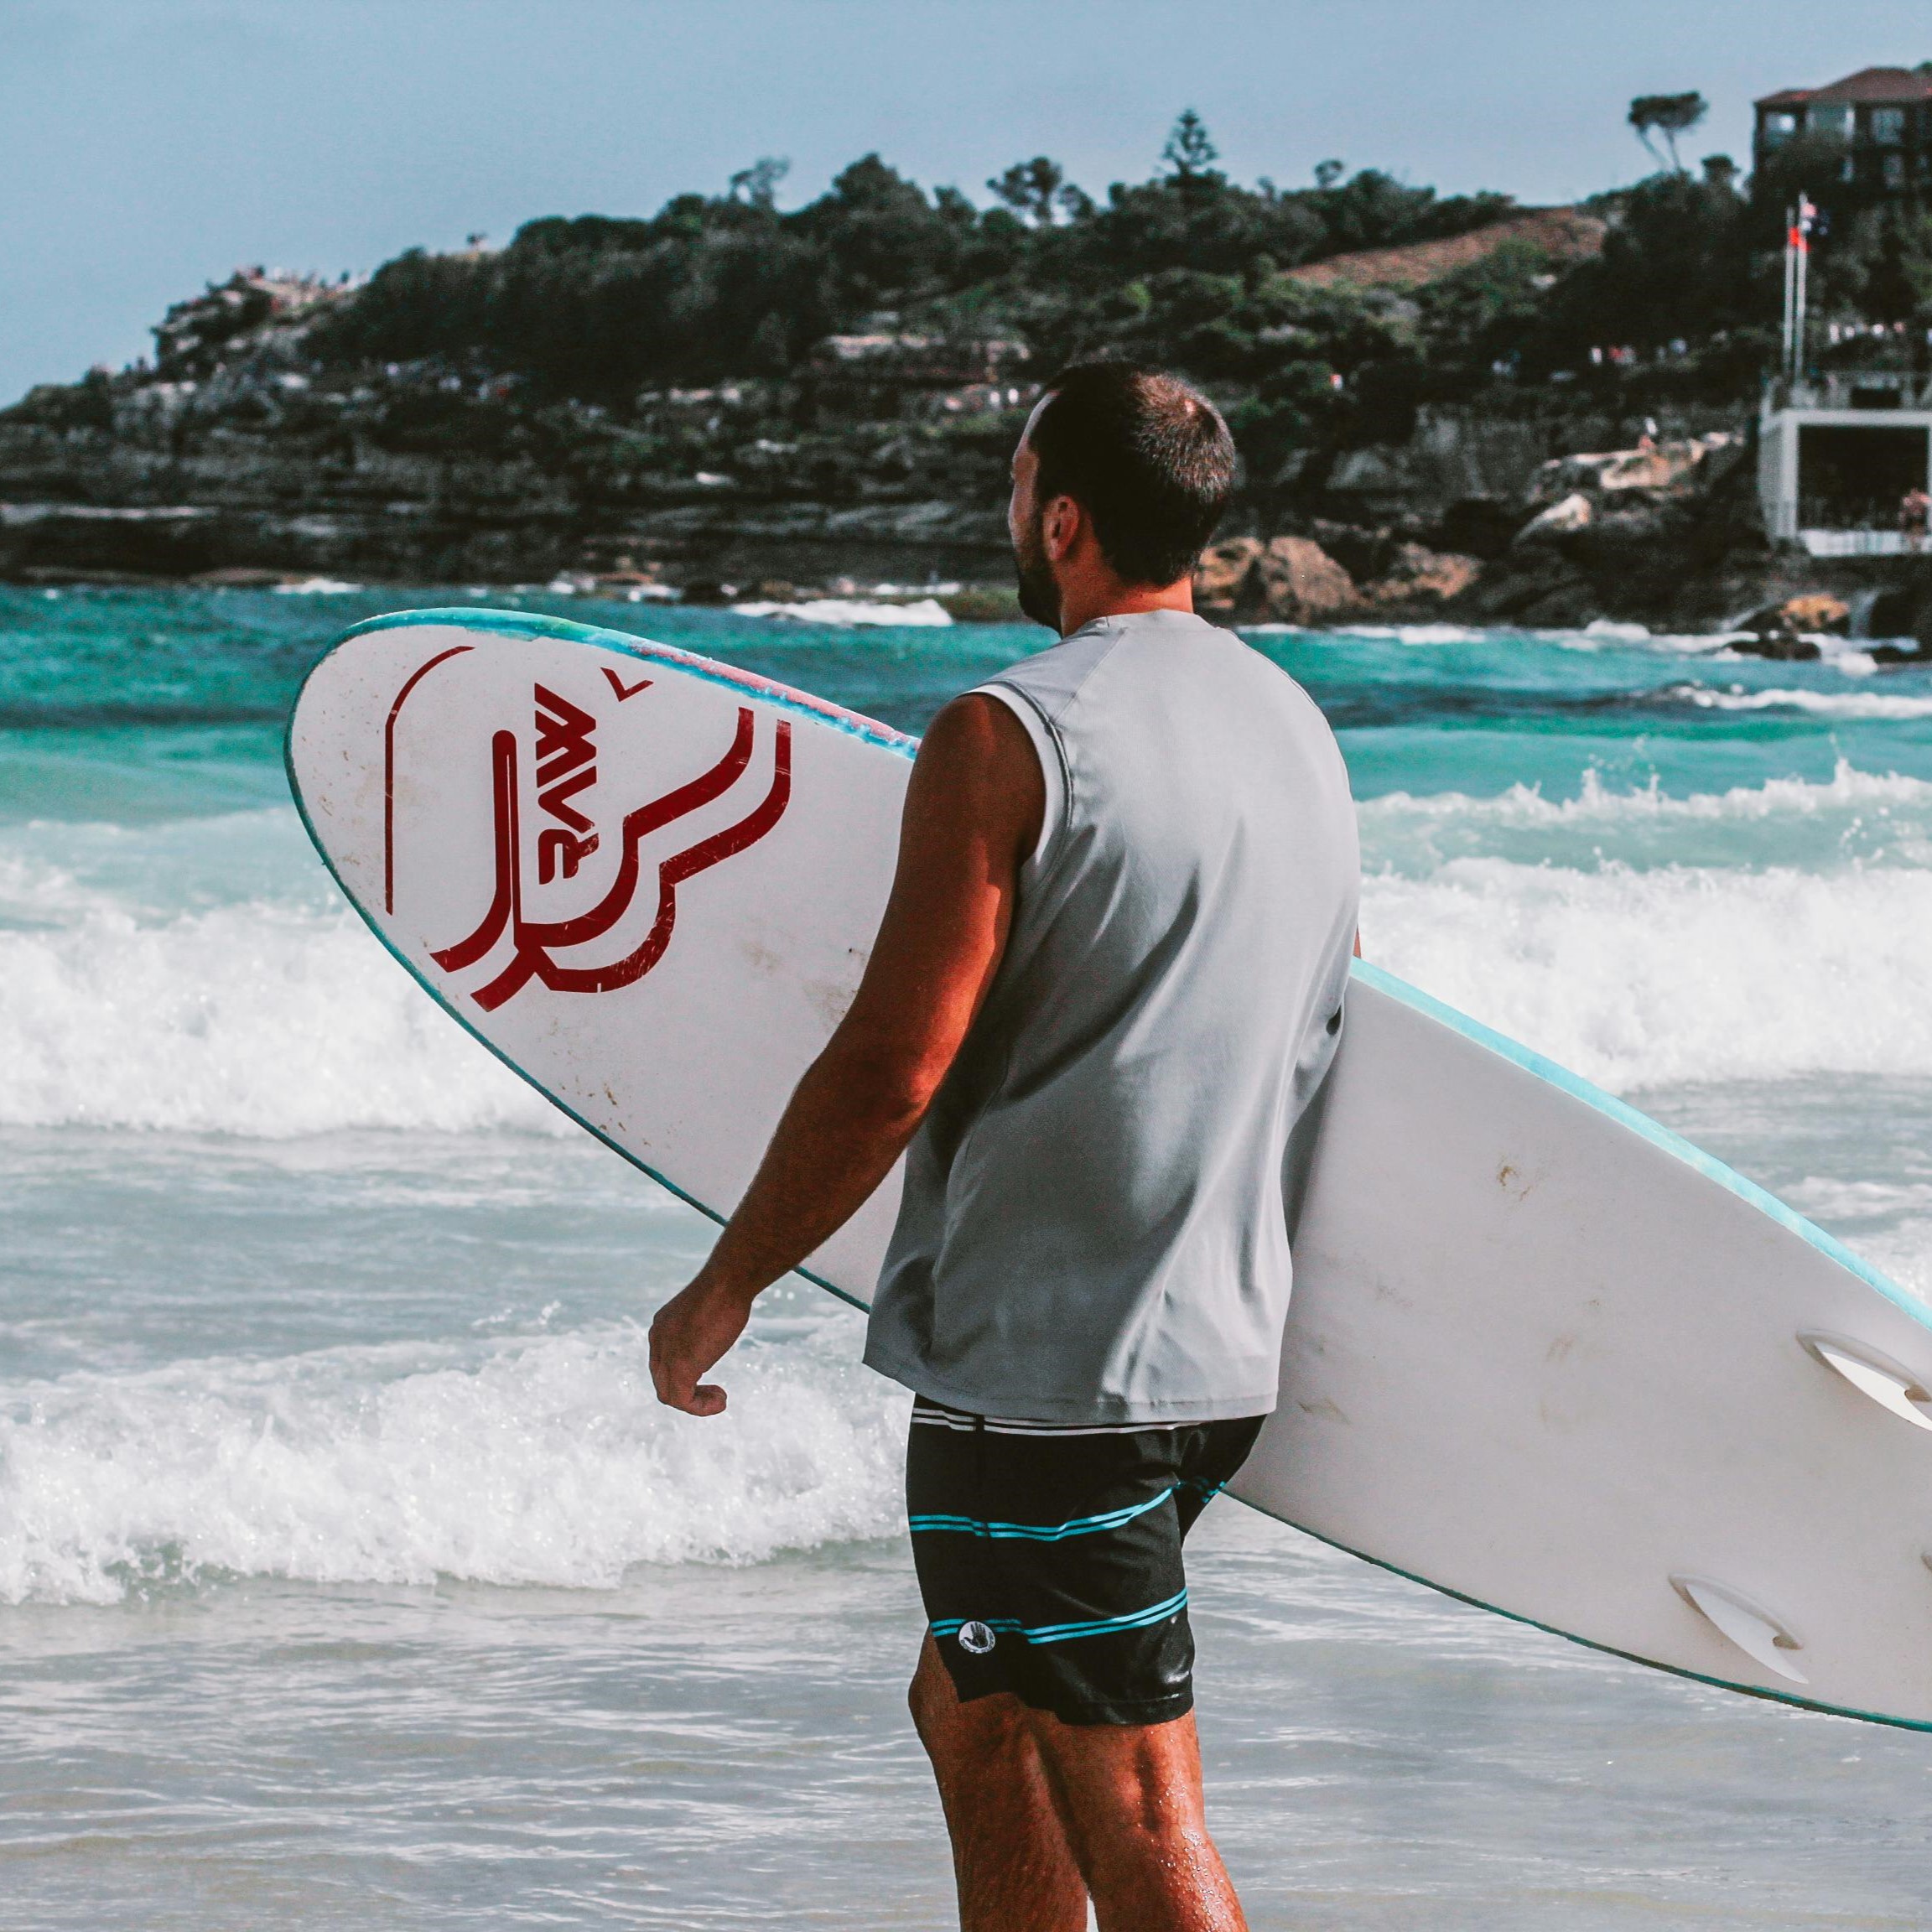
x=1060 y=524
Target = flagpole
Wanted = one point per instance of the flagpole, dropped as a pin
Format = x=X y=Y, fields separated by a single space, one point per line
x=1790 y=286
x=1798 y=249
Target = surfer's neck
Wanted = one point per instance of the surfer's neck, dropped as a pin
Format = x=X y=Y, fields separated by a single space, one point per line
x=1082 y=603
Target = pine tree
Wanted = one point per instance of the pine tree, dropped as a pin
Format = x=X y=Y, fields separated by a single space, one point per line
x=1189 y=154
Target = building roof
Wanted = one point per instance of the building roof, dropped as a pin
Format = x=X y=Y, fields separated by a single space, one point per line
x=1874 y=86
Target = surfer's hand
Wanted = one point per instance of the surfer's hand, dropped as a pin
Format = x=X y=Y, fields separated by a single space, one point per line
x=692 y=1332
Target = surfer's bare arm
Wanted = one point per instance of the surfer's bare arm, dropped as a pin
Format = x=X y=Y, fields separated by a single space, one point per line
x=973 y=812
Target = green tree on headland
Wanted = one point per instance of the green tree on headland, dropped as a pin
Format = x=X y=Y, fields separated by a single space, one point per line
x=710 y=287
x=1669 y=115
x=1040 y=194
x=758 y=185
x=1189 y=154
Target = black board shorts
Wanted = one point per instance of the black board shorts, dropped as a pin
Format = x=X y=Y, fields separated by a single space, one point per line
x=1049 y=1557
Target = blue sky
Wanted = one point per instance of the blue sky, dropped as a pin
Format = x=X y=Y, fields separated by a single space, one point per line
x=146 y=146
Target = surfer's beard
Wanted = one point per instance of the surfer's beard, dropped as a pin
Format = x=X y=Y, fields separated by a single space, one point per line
x=1039 y=594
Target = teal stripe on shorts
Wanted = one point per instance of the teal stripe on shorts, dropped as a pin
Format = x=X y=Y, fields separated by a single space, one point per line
x=1036 y=1532
x=1065 y=1633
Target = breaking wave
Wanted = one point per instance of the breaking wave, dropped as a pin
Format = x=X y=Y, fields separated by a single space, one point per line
x=1854 y=816
x=1616 y=932
x=1679 y=974
x=545 y=1461
x=1597 y=802
x=847 y=613
x=1885 y=704
x=273 y=1016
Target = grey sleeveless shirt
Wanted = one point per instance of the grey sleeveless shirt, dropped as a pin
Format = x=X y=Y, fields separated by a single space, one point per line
x=1094 y=1229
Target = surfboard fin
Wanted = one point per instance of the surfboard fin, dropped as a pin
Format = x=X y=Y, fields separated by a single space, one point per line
x=1753 y=1629
x=1873 y=1374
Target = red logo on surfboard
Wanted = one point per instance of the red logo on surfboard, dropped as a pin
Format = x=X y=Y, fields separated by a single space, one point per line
x=563 y=760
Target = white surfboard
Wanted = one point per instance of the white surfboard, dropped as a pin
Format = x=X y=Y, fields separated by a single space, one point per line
x=1542 y=1354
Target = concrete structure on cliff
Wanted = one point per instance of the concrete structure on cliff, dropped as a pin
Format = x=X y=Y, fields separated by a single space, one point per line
x=1836 y=457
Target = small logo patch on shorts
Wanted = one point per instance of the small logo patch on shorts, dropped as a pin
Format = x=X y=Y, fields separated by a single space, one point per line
x=977 y=1638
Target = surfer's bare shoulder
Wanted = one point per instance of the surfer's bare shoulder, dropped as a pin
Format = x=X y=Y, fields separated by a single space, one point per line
x=978 y=770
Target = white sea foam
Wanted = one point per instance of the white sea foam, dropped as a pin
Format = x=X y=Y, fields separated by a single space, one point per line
x=1678 y=974
x=1836 y=1202
x=1597 y=803
x=544 y=1460
x=924 y=613
x=317 y=587
x=254 y=1019
x=1904 y=1255
x=1852 y=817
x=1819 y=703
x=1597 y=636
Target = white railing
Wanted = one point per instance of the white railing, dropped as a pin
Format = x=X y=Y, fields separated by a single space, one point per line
x=1864 y=543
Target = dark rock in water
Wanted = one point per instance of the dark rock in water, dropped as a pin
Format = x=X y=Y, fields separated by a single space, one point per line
x=1564 y=607
x=706 y=591
x=1789 y=631
x=1811 y=613
x=240 y=577
x=1899 y=654
x=984 y=604
x=1785 y=646
x=1891 y=613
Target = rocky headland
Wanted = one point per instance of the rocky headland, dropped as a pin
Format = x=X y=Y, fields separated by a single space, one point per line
x=1423 y=440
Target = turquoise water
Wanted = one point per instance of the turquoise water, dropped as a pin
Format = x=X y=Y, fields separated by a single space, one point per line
x=348 y=1573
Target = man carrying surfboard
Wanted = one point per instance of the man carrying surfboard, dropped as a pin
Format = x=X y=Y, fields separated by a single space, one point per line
x=1107 y=986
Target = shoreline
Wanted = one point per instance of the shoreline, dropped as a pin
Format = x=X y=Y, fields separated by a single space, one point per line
x=1805 y=624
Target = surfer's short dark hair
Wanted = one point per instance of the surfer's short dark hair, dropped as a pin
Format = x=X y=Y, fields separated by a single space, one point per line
x=1146 y=454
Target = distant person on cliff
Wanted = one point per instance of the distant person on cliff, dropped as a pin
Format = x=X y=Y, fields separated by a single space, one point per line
x=1914 y=515
x=1107 y=985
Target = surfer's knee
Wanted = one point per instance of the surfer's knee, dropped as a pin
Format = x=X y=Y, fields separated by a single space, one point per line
x=926 y=1694
x=937 y=1715
x=953 y=1734
x=1127 y=1781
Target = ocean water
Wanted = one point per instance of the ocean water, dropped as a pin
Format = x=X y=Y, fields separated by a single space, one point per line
x=349 y=1575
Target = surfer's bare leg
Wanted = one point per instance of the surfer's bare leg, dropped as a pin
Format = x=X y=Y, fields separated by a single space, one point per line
x=1129 y=1797
x=1010 y=1852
